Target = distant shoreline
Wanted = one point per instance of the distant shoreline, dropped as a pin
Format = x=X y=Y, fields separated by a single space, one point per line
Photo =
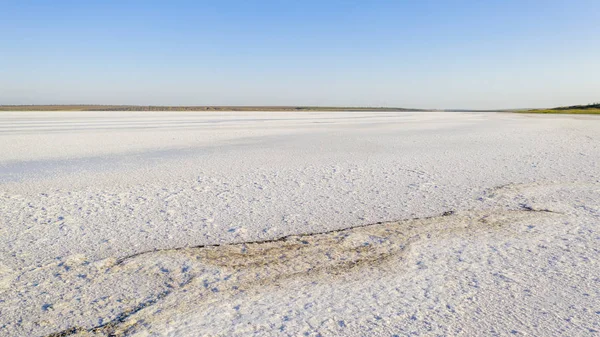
x=191 y=108
x=561 y=111
x=580 y=109
x=589 y=109
x=84 y=107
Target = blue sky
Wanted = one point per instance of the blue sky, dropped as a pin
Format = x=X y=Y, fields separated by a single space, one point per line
x=436 y=54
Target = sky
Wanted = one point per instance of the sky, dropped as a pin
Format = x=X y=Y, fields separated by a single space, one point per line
x=418 y=54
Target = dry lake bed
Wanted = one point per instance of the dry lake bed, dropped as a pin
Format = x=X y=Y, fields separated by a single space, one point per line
x=299 y=224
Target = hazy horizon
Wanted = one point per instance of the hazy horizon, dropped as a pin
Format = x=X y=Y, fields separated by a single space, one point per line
x=256 y=106
x=430 y=54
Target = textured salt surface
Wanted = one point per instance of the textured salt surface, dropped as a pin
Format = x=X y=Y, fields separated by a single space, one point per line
x=184 y=223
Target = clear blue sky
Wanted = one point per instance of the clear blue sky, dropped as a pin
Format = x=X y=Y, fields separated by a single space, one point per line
x=437 y=54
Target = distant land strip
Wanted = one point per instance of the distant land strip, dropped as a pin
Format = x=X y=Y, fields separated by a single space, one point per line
x=591 y=109
x=190 y=108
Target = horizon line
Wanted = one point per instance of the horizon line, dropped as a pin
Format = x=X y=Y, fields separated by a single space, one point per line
x=244 y=107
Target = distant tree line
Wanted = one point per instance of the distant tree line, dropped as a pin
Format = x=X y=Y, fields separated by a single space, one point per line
x=581 y=107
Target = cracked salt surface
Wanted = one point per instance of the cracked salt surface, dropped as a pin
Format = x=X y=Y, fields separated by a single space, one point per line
x=205 y=224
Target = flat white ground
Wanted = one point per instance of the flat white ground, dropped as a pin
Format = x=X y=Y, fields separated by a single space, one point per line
x=179 y=223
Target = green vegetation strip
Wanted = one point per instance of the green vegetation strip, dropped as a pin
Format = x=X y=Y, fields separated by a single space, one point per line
x=562 y=111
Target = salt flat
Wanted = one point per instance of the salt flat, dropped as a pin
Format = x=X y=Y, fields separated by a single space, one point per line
x=320 y=223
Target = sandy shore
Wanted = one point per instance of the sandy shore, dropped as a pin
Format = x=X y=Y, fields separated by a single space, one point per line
x=287 y=224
